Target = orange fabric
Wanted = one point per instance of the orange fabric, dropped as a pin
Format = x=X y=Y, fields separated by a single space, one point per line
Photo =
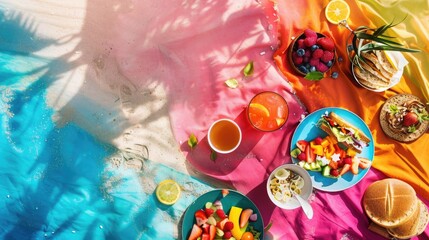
x=406 y=161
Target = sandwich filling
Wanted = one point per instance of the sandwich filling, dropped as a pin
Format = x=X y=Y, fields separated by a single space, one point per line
x=343 y=134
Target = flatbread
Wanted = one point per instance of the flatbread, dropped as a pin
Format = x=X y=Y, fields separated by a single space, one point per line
x=368 y=79
x=398 y=100
x=415 y=225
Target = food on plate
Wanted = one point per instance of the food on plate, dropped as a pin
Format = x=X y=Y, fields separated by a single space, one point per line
x=311 y=52
x=393 y=204
x=213 y=222
x=376 y=70
x=343 y=132
x=404 y=117
x=284 y=182
x=327 y=156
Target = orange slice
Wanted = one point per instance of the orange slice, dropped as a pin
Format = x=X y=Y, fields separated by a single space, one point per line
x=336 y=11
x=259 y=109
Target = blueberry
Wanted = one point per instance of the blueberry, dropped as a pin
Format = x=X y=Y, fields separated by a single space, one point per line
x=340 y=59
x=314 y=47
x=303 y=69
x=312 y=68
x=350 y=47
x=300 y=52
x=334 y=75
x=329 y=64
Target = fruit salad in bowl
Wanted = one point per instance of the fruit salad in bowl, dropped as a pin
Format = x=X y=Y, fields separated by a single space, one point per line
x=311 y=52
x=222 y=214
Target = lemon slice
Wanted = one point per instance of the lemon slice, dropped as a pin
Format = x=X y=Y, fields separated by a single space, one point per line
x=336 y=11
x=168 y=192
x=261 y=107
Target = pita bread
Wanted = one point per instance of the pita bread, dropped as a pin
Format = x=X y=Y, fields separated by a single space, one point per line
x=372 y=57
x=384 y=62
x=368 y=79
x=398 y=100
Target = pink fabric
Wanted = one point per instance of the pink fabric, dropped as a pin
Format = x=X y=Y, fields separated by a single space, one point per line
x=191 y=48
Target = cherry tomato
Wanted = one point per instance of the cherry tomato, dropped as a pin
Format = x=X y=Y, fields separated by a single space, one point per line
x=247 y=236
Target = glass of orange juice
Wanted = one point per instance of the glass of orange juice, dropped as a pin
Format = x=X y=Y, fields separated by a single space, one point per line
x=224 y=136
x=267 y=111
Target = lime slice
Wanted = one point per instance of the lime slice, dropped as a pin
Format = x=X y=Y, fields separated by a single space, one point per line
x=168 y=192
x=231 y=83
x=337 y=11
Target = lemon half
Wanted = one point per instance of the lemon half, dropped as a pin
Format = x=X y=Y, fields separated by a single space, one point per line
x=168 y=192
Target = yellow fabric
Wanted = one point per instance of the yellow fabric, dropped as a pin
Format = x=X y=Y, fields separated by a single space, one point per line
x=406 y=161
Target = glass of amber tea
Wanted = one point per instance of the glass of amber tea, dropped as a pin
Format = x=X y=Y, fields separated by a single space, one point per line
x=224 y=136
x=267 y=111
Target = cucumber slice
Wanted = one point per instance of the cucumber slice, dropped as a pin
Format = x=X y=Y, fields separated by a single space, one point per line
x=314 y=166
x=294 y=153
x=326 y=171
x=307 y=166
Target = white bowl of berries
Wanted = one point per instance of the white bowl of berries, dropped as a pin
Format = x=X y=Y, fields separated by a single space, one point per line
x=312 y=51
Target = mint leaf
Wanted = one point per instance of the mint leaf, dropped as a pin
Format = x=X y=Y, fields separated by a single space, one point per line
x=248 y=69
x=192 y=141
x=213 y=156
x=314 y=76
x=393 y=108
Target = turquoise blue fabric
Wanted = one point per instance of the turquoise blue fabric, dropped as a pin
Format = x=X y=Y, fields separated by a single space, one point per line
x=58 y=182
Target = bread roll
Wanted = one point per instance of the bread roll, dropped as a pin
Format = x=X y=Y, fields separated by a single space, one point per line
x=390 y=202
x=413 y=226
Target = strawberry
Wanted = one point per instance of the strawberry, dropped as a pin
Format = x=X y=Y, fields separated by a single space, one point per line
x=318 y=140
x=227 y=235
x=311 y=157
x=195 y=233
x=200 y=217
x=228 y=226
x=209 y=212
x=411 y=118
x=348 y=160
x=310 y=41
x=326 y=43
x=334 y=172
x=318 y=53
x=212 y=232
x=301 y=144
x=327 y=56
x=205 y=236
x=205 y=227
x=221 y=224
x=321 y=67
x=302 y=156
x=310 y=33
x=220 y=213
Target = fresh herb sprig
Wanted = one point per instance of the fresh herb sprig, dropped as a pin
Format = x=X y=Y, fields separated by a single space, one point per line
x=364 y=39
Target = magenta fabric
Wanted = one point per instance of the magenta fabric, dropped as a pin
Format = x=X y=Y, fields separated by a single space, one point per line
x=191 y=48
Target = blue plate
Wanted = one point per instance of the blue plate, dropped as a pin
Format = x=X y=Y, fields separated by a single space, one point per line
x=234 y=198
x=307 y=130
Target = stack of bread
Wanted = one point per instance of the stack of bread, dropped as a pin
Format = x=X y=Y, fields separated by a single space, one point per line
x=375 y=71
x=393 y=205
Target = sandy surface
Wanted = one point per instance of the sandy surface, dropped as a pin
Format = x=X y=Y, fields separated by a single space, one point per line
x=89 y=88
